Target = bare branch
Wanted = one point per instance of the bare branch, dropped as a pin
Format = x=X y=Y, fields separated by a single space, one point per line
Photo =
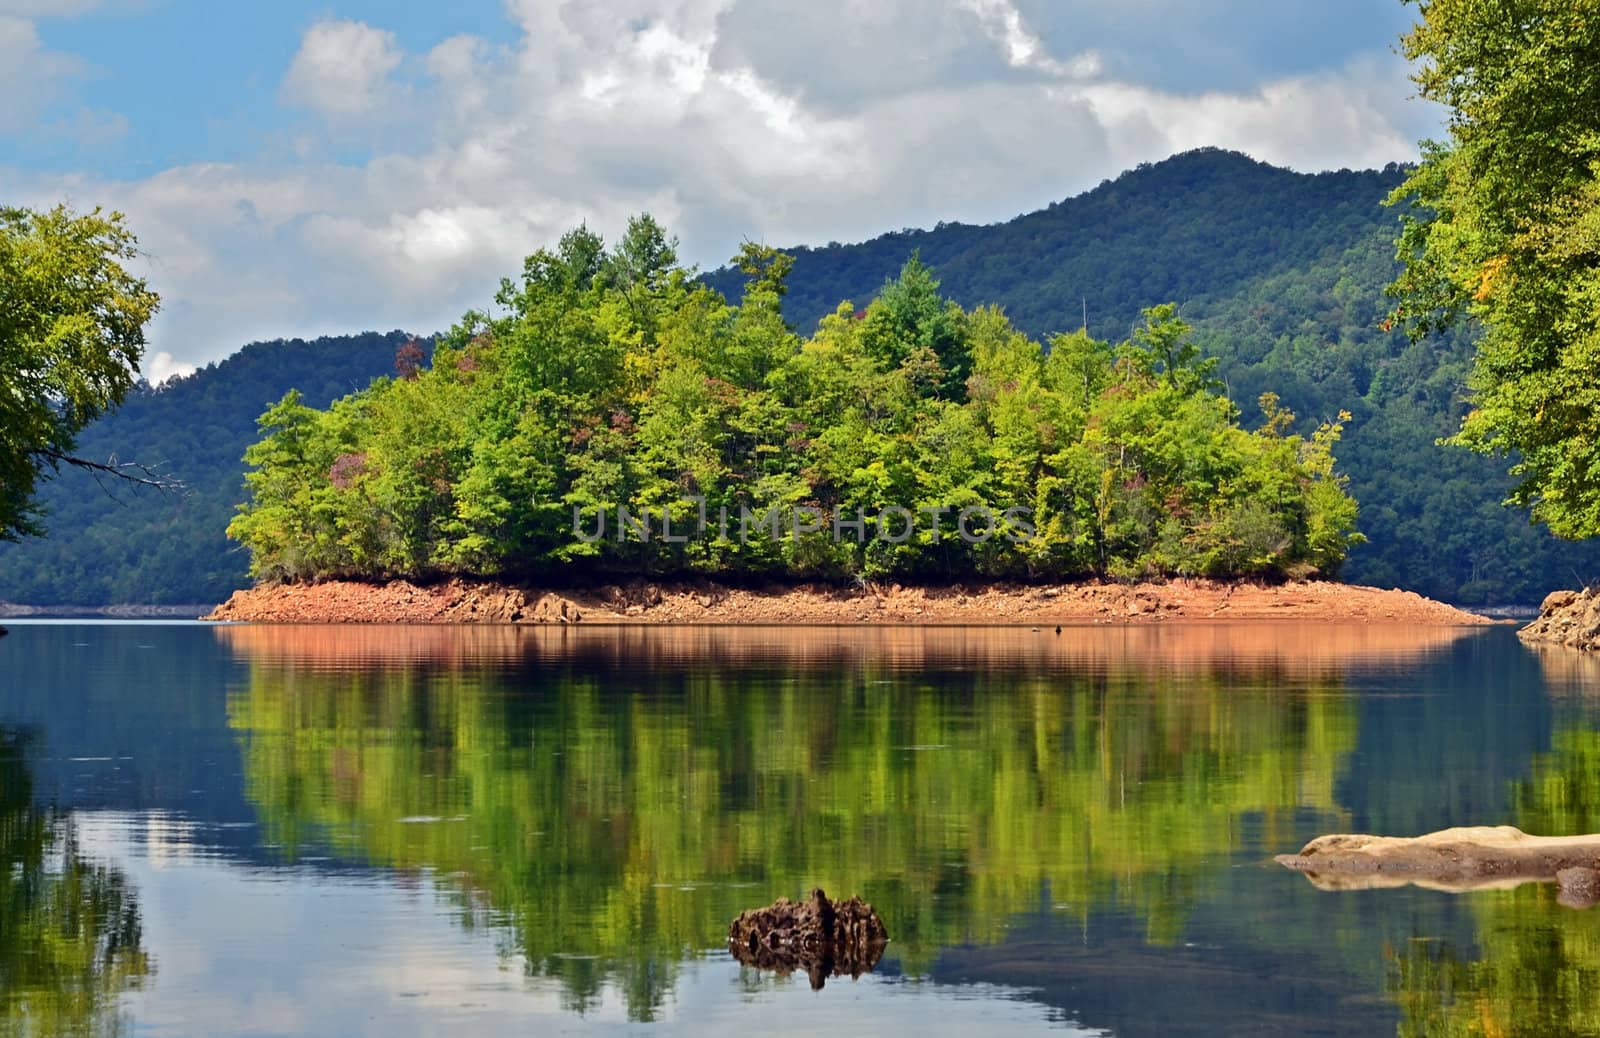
x=130 y=471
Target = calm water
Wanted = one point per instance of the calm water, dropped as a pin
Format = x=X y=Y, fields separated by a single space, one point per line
x=394 y=831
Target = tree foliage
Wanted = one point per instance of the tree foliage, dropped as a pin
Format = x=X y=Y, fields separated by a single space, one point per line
x=71 y=335
x=1502 y=225
x=1281 y=274
x=617 y=414
x=111 y=542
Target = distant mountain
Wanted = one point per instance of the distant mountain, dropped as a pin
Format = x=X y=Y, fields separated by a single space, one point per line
x=1206 y=223
x=110 y=543
x=1282 y=274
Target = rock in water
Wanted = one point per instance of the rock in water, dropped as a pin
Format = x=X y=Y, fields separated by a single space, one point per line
x=823 y=938
x=1453 y=859
x=1570 y=618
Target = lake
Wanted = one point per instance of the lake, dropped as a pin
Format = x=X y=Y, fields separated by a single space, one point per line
x=481 y=831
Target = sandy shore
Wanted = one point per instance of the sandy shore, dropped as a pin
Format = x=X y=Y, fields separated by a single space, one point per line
x=639 y=602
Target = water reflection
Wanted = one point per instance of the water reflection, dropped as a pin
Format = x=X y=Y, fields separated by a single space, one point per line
x=1533 y=970
x=1531 y=965
x=392 y=831
x=1268 y=648
x=70 y=934
x=613 y=798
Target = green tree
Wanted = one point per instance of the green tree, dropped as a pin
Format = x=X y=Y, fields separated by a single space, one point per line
x=1502 y=224
x=909 y=440
x=1161 y=347
x=911 y=323
x=71 y=336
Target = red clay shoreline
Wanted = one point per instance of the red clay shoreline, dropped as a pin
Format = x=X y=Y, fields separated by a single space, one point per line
x=667 y=602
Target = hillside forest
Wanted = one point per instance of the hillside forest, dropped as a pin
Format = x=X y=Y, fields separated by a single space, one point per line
x=1281 y=276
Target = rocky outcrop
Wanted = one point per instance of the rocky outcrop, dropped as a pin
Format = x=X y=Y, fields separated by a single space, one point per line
x=1454 y=859
x=1570 y=618
x=818 y=937
x=399 y=601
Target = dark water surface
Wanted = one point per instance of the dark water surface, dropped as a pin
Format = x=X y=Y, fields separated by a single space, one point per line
x=399 y=830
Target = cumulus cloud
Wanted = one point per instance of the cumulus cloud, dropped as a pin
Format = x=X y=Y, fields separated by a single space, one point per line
x=342 y=68
x=727 y=119
x=1346 y=118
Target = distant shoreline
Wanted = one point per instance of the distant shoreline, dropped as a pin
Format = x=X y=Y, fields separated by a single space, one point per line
x=705 y=602
x=188 y=611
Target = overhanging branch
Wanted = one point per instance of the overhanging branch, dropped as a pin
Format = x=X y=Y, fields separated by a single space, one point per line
x=129 y=471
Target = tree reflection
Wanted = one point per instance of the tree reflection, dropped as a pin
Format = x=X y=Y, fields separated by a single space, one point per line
x=1536 y=968
x=616 y=817
x=1535 y=972
x=70 y=940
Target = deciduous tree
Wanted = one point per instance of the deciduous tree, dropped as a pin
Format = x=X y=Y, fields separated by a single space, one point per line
x=72 y=322
x=1502 y=225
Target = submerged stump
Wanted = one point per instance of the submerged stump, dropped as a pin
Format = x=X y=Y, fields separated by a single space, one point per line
x=1460 y=859
x=819 y=937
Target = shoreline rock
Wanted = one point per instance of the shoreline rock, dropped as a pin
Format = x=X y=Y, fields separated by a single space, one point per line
x=1456 y=860
x=705 y=602
x=1569 y=618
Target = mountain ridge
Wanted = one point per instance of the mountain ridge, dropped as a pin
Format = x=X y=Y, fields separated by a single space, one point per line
x=1281 y=273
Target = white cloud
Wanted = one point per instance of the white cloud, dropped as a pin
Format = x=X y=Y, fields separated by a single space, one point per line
x=161 y=366
x=688 y=109
x=342 y=68
x=1023 y=49
x=1345 y=118
x=31 y=75
x=38 y=85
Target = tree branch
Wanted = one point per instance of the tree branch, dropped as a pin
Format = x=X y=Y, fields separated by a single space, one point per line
x=131 y=471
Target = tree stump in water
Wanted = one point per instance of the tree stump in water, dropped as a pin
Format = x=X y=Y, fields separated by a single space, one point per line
x=819 y=937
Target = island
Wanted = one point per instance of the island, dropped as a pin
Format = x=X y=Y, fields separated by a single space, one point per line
x=622 y=443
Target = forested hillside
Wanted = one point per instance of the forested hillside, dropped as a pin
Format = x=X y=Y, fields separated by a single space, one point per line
x=112 y=543
x=1282 y=275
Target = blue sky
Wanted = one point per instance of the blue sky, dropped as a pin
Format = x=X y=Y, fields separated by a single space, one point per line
x=296 y=168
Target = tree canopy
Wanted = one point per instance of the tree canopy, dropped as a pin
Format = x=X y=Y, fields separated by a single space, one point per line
x=618 y=415
x=71 y=336
x=1281 y=274
x=1502 y=225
